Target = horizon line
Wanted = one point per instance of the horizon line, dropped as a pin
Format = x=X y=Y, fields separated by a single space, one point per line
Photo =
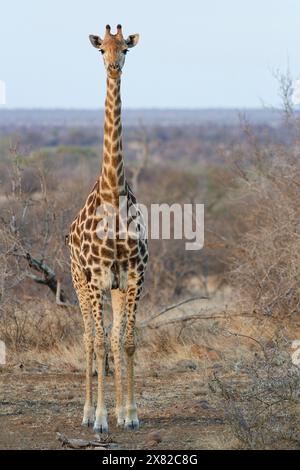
x=212 y=108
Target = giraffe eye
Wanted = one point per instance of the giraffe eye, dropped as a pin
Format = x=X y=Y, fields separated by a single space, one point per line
x=102 y=51
x=125 y=51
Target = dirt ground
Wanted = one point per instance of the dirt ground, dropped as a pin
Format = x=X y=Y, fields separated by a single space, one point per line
x=174 y=405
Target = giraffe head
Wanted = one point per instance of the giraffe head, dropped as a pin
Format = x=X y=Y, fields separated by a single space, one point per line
x=114 y=47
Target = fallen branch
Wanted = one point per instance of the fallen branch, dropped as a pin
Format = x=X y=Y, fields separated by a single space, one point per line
x=81 y=443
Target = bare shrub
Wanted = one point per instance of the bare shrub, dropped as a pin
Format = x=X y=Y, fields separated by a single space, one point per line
x=261 y=400
x=265 y=212
x=266 y=257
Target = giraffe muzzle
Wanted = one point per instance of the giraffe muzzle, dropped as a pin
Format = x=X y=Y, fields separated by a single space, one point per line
x=114 y=70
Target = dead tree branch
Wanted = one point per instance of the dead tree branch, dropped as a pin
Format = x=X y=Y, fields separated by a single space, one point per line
x=194 y=317
x=48 y=278
x=171 y=307
x=233 y=333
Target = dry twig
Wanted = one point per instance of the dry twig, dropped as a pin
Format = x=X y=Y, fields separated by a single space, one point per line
x=82 y=443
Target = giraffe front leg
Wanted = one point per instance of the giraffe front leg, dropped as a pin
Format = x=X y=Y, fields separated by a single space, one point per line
x=100 y=424
x=118 y=299
x=85 y=307
x=131 y=419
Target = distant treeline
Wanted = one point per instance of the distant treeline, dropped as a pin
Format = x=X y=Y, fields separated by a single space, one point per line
x=11 y=118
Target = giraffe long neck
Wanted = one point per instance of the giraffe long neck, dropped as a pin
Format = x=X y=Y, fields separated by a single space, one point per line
x=112 y=175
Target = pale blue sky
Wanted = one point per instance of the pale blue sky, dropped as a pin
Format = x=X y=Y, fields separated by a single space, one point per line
x=192 y=53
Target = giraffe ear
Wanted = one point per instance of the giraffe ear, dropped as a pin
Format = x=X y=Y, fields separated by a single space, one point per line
x=96 y=41
x=132 y=40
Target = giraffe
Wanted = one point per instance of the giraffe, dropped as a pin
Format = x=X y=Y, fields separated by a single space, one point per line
x=115 y=261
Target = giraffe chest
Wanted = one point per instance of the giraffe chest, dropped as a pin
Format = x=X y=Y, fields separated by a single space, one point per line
x=87 y=249
x=108 y=255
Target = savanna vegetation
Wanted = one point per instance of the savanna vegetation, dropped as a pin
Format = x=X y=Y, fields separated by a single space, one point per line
x=227 y=315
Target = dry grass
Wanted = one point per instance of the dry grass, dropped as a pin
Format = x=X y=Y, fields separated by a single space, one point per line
x=38 y=326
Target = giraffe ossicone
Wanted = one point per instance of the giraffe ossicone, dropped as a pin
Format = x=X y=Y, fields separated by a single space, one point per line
x=114 y=262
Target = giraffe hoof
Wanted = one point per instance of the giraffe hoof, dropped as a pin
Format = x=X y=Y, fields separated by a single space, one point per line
x=132 y=424
x=100 y=424
x=88 y=416
x=102 y=429
x=87 y=423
